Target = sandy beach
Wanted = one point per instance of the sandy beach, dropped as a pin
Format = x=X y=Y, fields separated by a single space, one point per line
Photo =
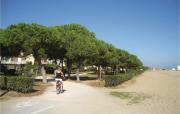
x=161 y=87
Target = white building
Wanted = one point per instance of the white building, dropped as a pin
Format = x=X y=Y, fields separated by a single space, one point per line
x=178 y=67
x=15 y=62
x=12 y=60
x=173 y=69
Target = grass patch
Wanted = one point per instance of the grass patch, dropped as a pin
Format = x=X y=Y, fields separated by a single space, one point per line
x=132 y=97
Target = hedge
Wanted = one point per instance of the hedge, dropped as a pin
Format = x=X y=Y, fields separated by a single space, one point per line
x=18 y=83
x=111 y=80
x=114 y=80
x=2 y=82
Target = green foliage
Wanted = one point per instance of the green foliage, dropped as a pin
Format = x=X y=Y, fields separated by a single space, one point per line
x=76 y=44
x=101 y=57
x=127 y=60
x=114 y=80
x=28 y=69
x=51 y=65
x=1 y=35
x=29 y=39
x=18 y=83
x=2 y=83
x=72 y=42
x=76 y=40
x=83 y=49
x=56 y=48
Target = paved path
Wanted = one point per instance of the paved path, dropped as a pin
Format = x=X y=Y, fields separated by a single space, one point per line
x=77 y=99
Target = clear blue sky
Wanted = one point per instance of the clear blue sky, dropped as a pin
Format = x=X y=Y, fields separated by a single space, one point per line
x=147 y=28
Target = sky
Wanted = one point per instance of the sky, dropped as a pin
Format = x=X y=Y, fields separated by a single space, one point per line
x=146 y=28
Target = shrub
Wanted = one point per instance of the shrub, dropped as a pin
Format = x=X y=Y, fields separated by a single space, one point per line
x=11 y=83
x=111 y=80
x=18 y=83
x=29 y=70
x=114 y=80
x=2 y=82
x=23 y=84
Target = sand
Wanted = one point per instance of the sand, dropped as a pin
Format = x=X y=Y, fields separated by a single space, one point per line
x=162 y=88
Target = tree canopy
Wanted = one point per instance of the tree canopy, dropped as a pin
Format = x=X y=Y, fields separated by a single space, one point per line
x=73 y=43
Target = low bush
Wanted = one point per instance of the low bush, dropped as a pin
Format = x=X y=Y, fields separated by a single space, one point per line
x=2 y=83
x=18 y=83
x=114 y=80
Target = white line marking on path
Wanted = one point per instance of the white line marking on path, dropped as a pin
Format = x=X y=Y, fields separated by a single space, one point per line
x=25 y=104
x=41 y=110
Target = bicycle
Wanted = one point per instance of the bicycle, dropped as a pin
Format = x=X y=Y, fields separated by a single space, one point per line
x=59 y=88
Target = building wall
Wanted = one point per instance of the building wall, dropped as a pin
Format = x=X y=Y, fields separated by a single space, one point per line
x=24 y=60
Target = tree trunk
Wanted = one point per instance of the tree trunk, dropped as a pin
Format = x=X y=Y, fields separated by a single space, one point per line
x=59 y=62
x=36 y=72
x=69 y=68
x=77 y=72
x=62 y=66
x=43 y=72
x=32 y=74
x=55 y=61
x=62 y=62
x=114 y=69
x=69 y=72
x=117 y=70
x=99 y=72
x=42 y=69
x=5 y=82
